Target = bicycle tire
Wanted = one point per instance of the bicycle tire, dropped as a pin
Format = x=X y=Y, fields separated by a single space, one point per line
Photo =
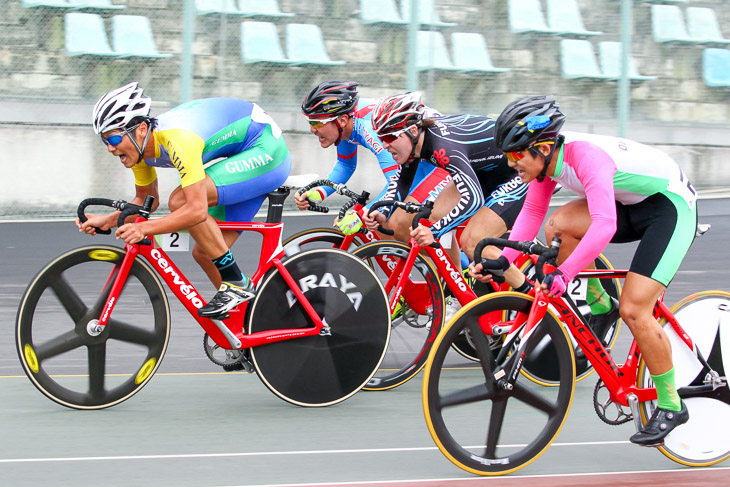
x=316 y=238
x=321 y=370
x=705 y=439
x=461 y=413
x=51 y=329
x=412 y=334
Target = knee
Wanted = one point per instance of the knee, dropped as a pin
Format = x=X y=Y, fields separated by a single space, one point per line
x=630 y=313
x=200 y=256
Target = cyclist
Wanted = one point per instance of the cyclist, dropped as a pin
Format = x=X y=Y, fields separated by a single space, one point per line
x=464 y=146
x=337 y=117
x=248 y=158
x=628 y=192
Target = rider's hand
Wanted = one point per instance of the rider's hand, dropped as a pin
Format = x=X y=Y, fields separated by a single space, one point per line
x=422 y=235
x=495 y=274
x=93 y=222
x=555 y=284
x=130 y=233
x=373 y=219
x=300 y=199
x=350 y=223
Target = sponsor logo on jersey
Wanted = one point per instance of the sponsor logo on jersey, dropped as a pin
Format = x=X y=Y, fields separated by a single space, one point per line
x=175 y=159
x=224 y=137
x=248 y=165
x=439 y=157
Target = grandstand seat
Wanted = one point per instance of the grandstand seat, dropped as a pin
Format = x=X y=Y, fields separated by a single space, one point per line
x=305 y=45
x=432 y=52
x=86 y=35
x=45 y=3
x=260 y=43
x=380 y=12
x=577 y=60
x=609 y=53
x=716 y=67
x=208 y=7
x=668 y=25
x=95 y=4
x=261 y=8
x=526 y=16
x=427 y=14
x=703 y=27
x=132 y=37
x=470 y=53
x=564 y=16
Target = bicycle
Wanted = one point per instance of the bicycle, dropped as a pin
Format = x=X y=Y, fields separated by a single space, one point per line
x=488 y=444
x=419 y=315
x=315 y=333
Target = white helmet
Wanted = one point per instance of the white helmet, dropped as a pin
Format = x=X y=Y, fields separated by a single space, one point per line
x=118 y=107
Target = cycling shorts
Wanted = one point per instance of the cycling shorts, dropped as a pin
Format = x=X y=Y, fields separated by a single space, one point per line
x=505 y=200
x=244 y=179
x=665 y=226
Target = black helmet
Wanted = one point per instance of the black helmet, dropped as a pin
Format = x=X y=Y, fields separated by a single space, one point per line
x=331 y=98
x=527 y=121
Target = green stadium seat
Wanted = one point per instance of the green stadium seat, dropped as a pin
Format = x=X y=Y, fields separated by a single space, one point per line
x=703 y=26
x=667 y=24
x=564 y=16
x=432 y=52
x=609 y=52
x=470 y=53
x=577 y=60
x=260 y=43
x=132 y=37
x=716 y=67
x=95 y=4
x=86 y=35
x=261 y=8
x=305 y=45
x=526 y=16
x=427 y=14
x=380 y=12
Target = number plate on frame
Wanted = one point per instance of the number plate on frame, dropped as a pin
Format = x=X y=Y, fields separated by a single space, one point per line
x=578 y=289
x=173 y=242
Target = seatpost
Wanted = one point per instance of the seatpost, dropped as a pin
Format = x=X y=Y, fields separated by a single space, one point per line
x=276 y=204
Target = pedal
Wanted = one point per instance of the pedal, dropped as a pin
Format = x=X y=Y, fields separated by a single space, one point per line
x=634 y=405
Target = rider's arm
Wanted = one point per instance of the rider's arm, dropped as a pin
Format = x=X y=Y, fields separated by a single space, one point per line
x=532 y=215
x=466 y=182
x=595 y=170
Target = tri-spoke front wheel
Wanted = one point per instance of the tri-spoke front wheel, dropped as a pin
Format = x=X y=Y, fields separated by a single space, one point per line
x=72 y=366
x=483 y=423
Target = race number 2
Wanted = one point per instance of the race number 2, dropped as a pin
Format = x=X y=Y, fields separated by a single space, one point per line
x=578 y=289
x=174 y=242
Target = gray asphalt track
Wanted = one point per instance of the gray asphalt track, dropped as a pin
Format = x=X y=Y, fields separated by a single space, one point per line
x=195 y=426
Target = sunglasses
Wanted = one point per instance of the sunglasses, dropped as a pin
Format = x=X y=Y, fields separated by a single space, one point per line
x=390 y=138
x=321 y=122
x=515 y=156
x=116 y=139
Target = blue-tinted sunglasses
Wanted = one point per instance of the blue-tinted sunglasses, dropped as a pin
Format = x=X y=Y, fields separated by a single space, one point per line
x=116 y=139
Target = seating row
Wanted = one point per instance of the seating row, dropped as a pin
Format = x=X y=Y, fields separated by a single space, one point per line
x=85 y=34
x=702 y=26
x=73 y=4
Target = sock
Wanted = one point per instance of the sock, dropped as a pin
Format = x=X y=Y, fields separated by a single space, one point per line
x=525 y=287
x=598 y=299
x=666 y=391
x=226 y=265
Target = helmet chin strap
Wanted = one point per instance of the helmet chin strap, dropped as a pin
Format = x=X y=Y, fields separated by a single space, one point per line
x=414 y=140
x=548 y=158
x=140 y=151
x=340 y=130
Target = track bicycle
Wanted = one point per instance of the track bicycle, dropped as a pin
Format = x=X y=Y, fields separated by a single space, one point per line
x=416 y=318
x=489 y=420
x=94 y=324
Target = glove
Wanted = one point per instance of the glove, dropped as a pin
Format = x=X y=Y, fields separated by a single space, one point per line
x=350 y=223
x=314 y=195
x=498 y=272
x=556 y=283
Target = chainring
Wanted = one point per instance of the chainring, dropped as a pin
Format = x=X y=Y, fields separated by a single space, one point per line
x=615 y=415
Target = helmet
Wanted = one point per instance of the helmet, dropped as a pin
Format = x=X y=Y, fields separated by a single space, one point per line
x=527 y=121
x=331 y=98
x=118 y=107
x=397 y=112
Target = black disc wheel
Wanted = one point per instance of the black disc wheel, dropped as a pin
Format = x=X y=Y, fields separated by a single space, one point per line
x=325 y=369
x=481 y=422
x=418 y=316
x=62 y=358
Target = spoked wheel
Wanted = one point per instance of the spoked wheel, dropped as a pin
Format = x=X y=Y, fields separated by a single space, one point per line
x=417 y=319
x=316 y=238
x=326 y=369
x=62 y=359
x=480 y=425
x=705 y=438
